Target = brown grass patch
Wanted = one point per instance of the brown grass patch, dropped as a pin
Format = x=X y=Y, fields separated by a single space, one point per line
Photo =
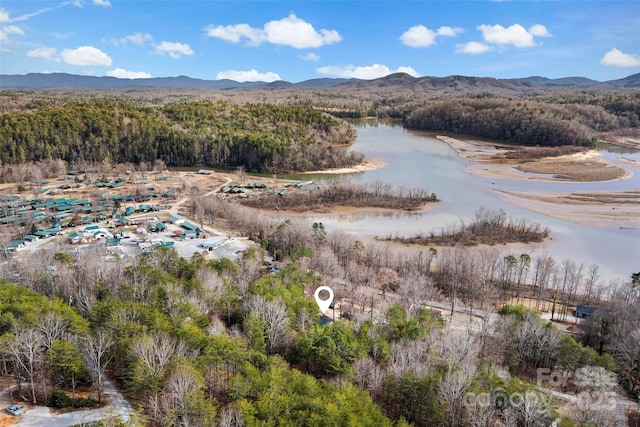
x=581 y=171
x=532 y=153
x=565 y=163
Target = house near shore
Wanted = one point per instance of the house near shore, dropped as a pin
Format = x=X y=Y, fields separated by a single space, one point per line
x=583 y=311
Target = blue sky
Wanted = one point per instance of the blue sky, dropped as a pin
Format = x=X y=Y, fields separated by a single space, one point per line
x=296 y=41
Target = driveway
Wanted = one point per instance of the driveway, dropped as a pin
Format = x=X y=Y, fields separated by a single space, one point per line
x=41 y=416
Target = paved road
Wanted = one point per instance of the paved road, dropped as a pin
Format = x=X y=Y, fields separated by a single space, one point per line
x=622 y=404
x=40 y=416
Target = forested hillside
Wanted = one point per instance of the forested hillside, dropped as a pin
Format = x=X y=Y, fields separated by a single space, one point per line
x=548 y=115
x=527 y=122
x=228 y=343
x=263 y=138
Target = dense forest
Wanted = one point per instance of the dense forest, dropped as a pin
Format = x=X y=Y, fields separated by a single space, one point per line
x=226 y=128
x=262 y=138
x=526 y=122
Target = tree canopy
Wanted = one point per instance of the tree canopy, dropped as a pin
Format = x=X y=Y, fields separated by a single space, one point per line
x=262 y=137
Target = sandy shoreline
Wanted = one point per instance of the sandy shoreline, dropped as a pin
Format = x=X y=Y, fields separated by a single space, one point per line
x=589 y=166
x=592 y=214
x=605 y=210
x=366 y=165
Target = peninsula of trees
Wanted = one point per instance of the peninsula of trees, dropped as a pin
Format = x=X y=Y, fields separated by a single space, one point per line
x=527 y=122
x=262 y=138
x=374 y=195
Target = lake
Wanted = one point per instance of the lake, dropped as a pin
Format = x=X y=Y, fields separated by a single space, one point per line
x=414 y=159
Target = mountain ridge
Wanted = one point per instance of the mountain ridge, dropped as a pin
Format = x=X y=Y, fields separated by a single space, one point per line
x=65 y=80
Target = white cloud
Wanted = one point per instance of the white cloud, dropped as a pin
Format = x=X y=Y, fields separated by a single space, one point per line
x=310 y=57
x=421 y=36
x=364 y=72
x=408 y=70
x=235 y=33
x=5 y=17
x=447 y=31
x=295 y=32
x=49 y=53
x=173 y=49
x=11 y=29
x=136 y=38
x=617 y=58
x=8 y=30
x=62 y=36
x=515 y=35
x=472 y=48
x=86 y=56
x=418 y=36
x=103 y=3
x=538 y=30
x=248 y=76
x=125 y=74
x=290 y=31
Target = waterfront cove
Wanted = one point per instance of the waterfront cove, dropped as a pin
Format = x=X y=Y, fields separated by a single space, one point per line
x=609 y=237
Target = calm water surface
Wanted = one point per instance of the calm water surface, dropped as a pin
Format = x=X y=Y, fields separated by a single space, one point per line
x=417 y=160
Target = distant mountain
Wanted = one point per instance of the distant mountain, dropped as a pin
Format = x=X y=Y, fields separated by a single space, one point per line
x=64 y=80
x=325 y=82
x=476 y=84
x=578 y=81
x=60 y=80
x=279 y=84
x=449 y=83
x=629 y=81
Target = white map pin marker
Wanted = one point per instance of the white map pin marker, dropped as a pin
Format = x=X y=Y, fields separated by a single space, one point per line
x=324 y=304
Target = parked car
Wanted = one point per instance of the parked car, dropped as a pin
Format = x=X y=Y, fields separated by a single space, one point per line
x=14 y=410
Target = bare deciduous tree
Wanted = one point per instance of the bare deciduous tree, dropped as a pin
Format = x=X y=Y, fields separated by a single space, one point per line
x=459 y=346
x=183 y=381
x=276 y=318
x=52 y=327
x=369 y=375
x=26 y=348
x=533 y=409
x=626 y=351
x=241 y=174
x=96 y=352
x=231 y=417
x=155 y=351
x=412 y=356
x=452 y=389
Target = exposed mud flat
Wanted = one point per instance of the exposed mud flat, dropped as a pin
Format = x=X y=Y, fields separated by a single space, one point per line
x=605 y=210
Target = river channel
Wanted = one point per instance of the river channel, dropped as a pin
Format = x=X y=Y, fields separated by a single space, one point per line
x=414 y=159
